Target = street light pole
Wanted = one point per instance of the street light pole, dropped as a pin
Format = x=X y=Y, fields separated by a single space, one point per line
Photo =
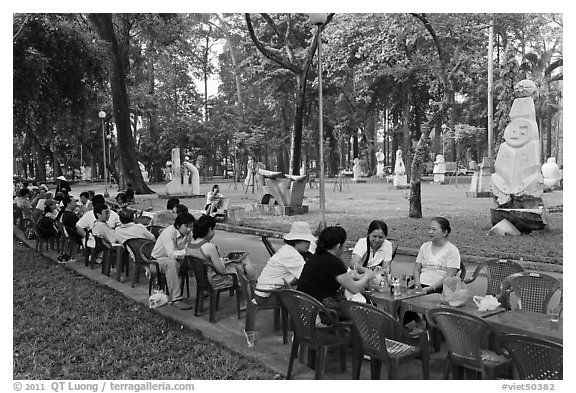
x=102 y=116
x=319 y=20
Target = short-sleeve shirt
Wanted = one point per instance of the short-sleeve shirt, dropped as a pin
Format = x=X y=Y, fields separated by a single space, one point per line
x=383 y=254
x=286 y=264
x=435 y=266
x=318 y=278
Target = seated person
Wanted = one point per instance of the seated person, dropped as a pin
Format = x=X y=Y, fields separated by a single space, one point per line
x=129 y=193
x=88 y=220
x=70 y=223
x=23 y=202
x=47 y=222
x=85 y=203
x=165 y=218
x=169 y=252
x=201 y=247
x=128 y=229
x=325 y=274
x=120 y=201
x=179 y=209
x=373 y=250
x=286 y=264
x=437 y=259
x=213 y=200
x=101 y=228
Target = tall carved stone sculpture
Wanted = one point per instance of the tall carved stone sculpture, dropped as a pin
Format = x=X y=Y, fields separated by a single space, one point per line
x=439 y=169
x=551 y=173
x=357 y=169
x=517 y=184
x=179 y=184
x=380 y=165
x=400 y=178
x=250 y=172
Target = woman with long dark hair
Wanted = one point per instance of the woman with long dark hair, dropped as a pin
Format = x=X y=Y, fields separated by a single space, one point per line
x=374 y=249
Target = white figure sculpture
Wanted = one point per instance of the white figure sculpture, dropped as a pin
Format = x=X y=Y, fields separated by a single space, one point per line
x=551 y=173
x=179 y=184
x=517 y=166
x=439 y=169
x=357 y=169
x=168 y=170
x=191 y=177
x=380 y=165
x=144 y=172
x=400 y=178
x=249 y=180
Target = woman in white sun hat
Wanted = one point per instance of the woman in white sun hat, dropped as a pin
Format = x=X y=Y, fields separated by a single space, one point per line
x=63 y=185
x=286 y=264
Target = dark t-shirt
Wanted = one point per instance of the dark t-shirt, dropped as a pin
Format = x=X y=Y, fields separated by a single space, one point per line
x=318 y=277
x=69 y=220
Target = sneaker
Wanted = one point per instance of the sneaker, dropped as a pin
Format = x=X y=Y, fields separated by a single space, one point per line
x=99 y=260
x=366 y=357
x=181 y=305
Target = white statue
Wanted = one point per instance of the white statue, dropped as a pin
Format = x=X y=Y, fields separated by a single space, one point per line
x=144 y=172
x=179 y=185
x=517 y=166
x=399 y=168
x=168 y=170
x=191 y=176
x=400 y=177
x=439 y=169
x=380 y=165
x=551 y=173
x=250 y=169
x=357 y=169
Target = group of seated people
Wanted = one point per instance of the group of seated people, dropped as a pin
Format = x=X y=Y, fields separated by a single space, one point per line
x=324 y=276
x=313 y=266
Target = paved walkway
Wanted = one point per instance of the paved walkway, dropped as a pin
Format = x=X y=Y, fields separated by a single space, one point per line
x=228 y=329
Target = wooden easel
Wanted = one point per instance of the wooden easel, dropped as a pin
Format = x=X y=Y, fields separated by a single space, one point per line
x=340 y=182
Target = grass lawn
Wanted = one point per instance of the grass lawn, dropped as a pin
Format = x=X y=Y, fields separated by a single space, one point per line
x=358 y=204
x=68 y=327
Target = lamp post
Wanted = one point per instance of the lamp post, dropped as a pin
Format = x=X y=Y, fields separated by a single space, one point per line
x=102 y=116
x=319 y=20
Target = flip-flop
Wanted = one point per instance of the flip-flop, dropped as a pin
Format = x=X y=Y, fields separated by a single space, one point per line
x=182 y=305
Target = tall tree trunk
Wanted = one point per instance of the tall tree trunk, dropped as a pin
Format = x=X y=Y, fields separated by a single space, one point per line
x=416 y=170
x=40 y=163
x=128 y=159
x=407 y=140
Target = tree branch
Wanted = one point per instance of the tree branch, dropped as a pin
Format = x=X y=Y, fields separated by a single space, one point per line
x=267 y=52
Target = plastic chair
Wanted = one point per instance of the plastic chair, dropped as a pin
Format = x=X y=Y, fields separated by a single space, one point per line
x=496 y=271
x=380 y=336
x=533 y=290
x=18 y=216
x=269 y=247
x=252 y=307
x=42 y=240
x=203 y=285
x=134 y=246
x=144 y=220
x=156 y=230
x=533 y=358
x=146 y=254
x=304 y=311
x=467 y=338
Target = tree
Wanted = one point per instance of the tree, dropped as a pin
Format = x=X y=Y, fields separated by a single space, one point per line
x=284 y=36
x=118 y=42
